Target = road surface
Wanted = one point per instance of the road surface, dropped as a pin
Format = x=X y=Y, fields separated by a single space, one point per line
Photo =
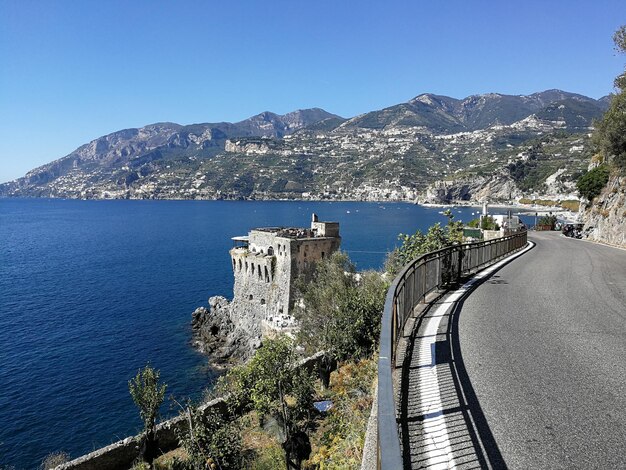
x=530 y=367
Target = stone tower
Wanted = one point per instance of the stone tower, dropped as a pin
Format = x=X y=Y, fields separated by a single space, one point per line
x=266 y=263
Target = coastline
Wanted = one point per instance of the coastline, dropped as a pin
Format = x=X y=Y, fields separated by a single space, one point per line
x=520 y=207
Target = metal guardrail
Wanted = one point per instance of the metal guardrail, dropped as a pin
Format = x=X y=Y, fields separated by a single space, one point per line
x=421 y=276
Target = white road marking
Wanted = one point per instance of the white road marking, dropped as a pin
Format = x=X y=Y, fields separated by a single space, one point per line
x=435 y=433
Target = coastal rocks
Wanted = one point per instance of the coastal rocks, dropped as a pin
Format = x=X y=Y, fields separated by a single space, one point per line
x=220 y=332
x=605 y=219
x=497 y=187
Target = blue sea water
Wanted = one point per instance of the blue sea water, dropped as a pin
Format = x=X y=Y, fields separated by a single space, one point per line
x=90 y=291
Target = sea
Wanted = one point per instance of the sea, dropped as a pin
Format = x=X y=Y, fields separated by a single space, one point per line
x=91 y=291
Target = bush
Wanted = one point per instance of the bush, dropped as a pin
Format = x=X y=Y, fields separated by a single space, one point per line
x=418 y=244
x=210 y=440
x=275 y=387
x=547 y=221
x=485 y=223
x=340 y=310
x=590 y=185
x=341 y=444
x=610 y=133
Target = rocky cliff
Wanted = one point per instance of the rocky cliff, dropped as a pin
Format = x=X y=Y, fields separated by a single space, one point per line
x=499 y=187
x=605 y=219
x=225 y=332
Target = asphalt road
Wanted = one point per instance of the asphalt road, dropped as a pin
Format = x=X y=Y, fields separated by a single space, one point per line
x=542 y=350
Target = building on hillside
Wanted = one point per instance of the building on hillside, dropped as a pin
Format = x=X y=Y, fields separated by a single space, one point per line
x=267 y=261
x=506 y=223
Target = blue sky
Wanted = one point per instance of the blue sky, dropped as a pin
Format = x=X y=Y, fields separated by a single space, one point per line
x=71 y=71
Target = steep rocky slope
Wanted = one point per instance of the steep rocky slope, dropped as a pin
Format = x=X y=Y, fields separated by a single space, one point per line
x=605 y=219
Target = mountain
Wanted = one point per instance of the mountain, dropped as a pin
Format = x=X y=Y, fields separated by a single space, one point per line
x=432 y=112
x=137 y=147
x=573 y=112
x=534 y=142
x=444 y=114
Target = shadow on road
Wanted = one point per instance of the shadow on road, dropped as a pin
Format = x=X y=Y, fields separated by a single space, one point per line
x=441 y=421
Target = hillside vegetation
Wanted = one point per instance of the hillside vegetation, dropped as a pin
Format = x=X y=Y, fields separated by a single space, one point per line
x=538 y=143
x=604 y=187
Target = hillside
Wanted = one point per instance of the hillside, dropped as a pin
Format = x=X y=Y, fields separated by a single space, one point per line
x=604 y=187
x=395 y=153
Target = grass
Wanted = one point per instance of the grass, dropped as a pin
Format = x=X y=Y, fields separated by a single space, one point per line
x=569 y=204
x=338 y=441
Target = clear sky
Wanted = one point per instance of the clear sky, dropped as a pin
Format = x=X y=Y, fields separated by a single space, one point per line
x=71 y=71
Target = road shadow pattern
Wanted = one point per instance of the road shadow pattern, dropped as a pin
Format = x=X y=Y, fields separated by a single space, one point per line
x=441 y=423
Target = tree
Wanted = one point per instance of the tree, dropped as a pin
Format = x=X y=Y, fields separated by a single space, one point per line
x=591 y=183
x=210 y=440
x=610 y=134
x=418 y=244
x=488 y=223
x=340 y=311
x=485 y=223
x=277 y=388
x=148 y=396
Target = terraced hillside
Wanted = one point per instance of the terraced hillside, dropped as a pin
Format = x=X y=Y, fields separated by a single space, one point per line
x=526 y=144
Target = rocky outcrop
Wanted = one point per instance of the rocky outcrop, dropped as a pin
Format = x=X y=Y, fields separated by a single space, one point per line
x=249 y=147
x=605 y=218
x=498 y=187
x=558 y=188
x=223 y=332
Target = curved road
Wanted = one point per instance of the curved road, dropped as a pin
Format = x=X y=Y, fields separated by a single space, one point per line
x=543 y=345
x=526 y=371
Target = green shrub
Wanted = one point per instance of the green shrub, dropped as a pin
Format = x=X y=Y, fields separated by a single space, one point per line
x=340 y=445
x=340 y=312
x=148 y=396
x=590 y=185
x=548 y=221
x=610 y=133
x=418 y=244
x=276 y=388
x=210 y=439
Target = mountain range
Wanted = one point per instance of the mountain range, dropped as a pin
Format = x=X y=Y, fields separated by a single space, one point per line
x=392 y=153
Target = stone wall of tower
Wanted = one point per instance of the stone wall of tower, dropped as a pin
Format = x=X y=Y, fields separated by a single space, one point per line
x=266 y=269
